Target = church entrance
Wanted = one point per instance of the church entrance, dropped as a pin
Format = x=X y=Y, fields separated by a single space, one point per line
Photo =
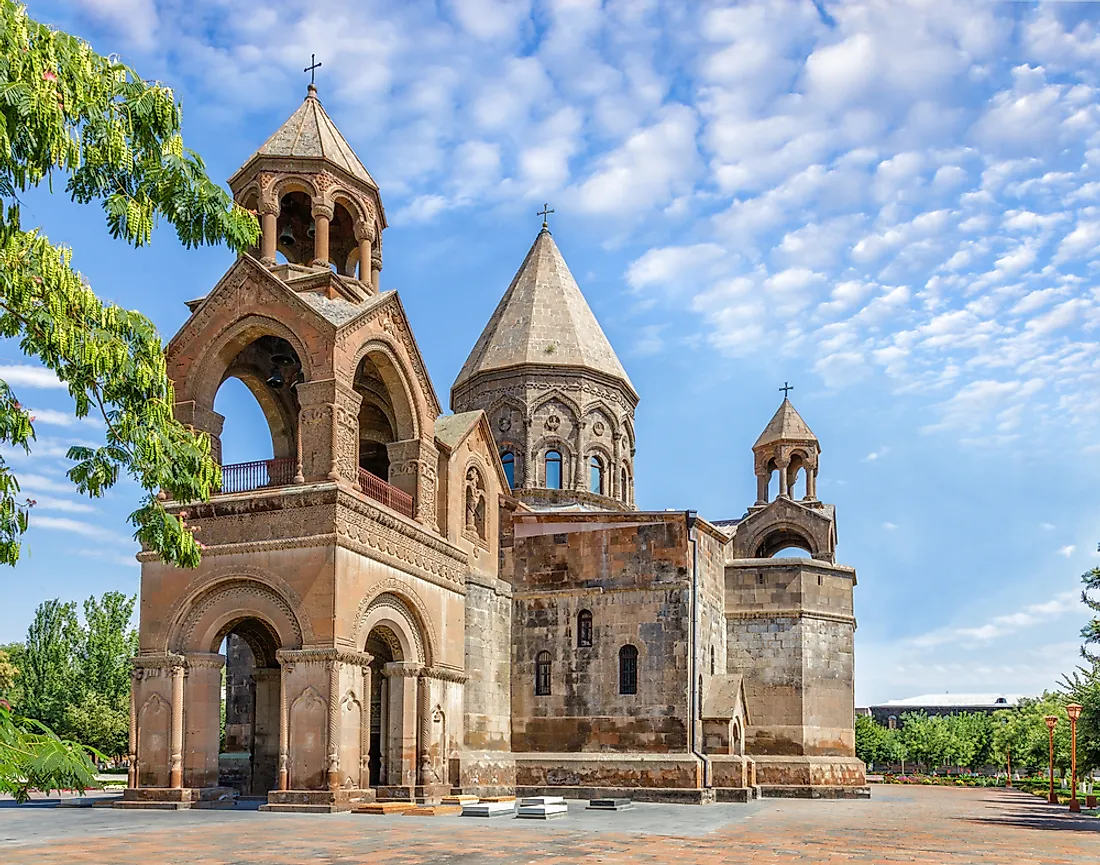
x=383 y=644
x=248 y=758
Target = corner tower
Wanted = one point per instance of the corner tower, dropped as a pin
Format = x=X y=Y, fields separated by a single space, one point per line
x=559 y=402
x=790 y=624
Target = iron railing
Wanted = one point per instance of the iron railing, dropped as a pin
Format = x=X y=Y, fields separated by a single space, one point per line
x=385 y=493
x=242 y=477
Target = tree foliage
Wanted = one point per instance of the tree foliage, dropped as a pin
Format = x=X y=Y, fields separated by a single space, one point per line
x=68 y=113
x=32 y=757
x=1091 y=631
x=77 y=678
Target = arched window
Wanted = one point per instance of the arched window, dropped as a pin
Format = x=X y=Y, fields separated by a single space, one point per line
x=628 y=670
x=712 y=660
x=595 y=475
x=542 y=674
x=584 y=628
x=508 y=460
x=624 y=490
x=553 y=470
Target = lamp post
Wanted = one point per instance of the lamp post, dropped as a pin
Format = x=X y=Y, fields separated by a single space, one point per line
x=1074 y=712
x=1052 y=722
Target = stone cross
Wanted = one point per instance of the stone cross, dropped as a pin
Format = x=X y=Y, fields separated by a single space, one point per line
x=546 y=211
x=787 y=388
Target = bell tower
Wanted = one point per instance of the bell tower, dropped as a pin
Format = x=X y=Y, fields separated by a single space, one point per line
x=319 y=207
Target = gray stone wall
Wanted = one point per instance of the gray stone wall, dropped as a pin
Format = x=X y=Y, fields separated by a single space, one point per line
x=636 y=582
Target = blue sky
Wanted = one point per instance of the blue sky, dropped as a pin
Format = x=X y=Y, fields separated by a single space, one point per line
x=893 y=205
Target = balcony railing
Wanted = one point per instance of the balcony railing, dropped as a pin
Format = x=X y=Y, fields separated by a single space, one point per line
x=242 y=477
x=385 y=493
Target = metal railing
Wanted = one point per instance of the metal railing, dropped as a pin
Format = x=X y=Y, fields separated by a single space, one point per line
x=385 y=493
x=242 y=477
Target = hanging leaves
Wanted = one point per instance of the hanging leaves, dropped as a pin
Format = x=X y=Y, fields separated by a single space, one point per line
x=69 y=112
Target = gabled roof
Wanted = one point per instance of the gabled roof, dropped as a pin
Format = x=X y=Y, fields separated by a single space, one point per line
x=786 y=425
x=543 y=320
x=309 y=133
x=451 y=429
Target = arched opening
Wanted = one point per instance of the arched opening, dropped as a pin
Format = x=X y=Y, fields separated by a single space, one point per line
x=295 y=228
x=796 y=472
x=624 y=485
x=595 y=475
x=378 y=421
x=263 y=375
x=783 y=539
x=248 y=758
x=553 y=470
x=508 y=460
x=791 y=553
x=341 y=241
x=584 y=628
x=542 y=674
x=628 y=670
x=385 y=647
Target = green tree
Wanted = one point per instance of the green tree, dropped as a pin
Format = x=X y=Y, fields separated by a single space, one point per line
x=68 y=113
x=15 y=653
x=99 y=722
x=8 y=674
x=1091 y=631
x=108 y=645
x=870 y=740
x=32 y=757
x=49 y=669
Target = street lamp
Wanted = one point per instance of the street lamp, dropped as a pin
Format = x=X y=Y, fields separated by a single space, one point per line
x=1074 y=712
x=1052 y=722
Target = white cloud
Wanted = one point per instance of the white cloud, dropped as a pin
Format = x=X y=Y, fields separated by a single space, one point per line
x=1067 y=550
x=1001 y=626
x=134 y=19
x=53 y=417
x=24 y=375
x=890 y=526
x=49 y=503
x=78 y=527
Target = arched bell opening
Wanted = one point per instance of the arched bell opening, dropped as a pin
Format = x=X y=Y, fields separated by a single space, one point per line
x=342 y=242
x=269 y=369
x=248 y=754
x=295 y=228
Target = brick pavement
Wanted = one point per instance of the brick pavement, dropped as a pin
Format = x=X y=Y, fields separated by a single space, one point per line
x=899 y=824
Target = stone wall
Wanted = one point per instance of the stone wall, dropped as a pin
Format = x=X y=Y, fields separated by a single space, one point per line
x=632 y=572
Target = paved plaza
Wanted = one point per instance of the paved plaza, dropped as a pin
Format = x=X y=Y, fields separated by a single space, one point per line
x=899 y=824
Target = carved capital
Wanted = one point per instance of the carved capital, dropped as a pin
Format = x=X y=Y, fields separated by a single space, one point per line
x=402 y=670
x=322 y=210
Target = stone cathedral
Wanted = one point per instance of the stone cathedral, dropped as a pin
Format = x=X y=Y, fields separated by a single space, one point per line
x=403 y=603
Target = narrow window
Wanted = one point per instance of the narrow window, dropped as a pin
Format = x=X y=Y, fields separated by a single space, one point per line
x=542 y=674
x=595 y=475
x=712 y=660
x=628 y=670
x=623 y=493
x=584 y=628
x=553 y=470
x=508 y=459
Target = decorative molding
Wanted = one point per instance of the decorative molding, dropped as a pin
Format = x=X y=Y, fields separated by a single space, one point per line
x=445 y=674
x=324 y=656
x=396 y=595
x=402 y=670
x=822 y=615
x=322 y=540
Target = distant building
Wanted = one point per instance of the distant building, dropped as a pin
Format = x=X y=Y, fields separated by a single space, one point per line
x=890 y=714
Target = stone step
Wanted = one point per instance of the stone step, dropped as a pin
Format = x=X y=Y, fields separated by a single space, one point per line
x=609 y=805
x=434 y=810
x=489 y=809
x=385 y=808
x=459 y=800
x=547 y=811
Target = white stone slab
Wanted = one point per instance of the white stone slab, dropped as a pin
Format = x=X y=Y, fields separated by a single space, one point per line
x=488 y=809
x=543 y=800
x=543 y=812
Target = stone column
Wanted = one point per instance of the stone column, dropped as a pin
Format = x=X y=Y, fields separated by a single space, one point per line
x=784 y=489
x=175 y=773
x=266 y=732
x=530 y=477
x=284 y=726
x=424 y=716
x=413 y=469
x=811 y=483
x=268 y=240
x=364 y=732
x=375 y=273
x=203 y=706
x=402 y=762
x=363 y=238
x=200 y=419
x=132 y=773
x=334 y=725
x=322 y=213
x=762 y=489
x=328 y=425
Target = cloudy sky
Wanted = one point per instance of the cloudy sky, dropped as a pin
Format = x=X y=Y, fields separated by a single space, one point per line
x=893 y=205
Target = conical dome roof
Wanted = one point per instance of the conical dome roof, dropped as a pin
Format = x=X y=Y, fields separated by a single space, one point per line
x=309 y=133
x=543 y=320
x=786 y=425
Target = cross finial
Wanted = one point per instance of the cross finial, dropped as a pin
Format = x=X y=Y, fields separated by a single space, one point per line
x=312 y=70
x=787 y=388
x=546 y=211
